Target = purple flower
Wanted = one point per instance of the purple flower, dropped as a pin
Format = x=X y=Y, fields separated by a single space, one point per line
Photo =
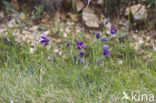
x=105 y=47
x=80 y=45
x=68 y=44
x=81 y=54
x=97 y=35
x=104 y=39
x=106 y=52
x=113 y=30
x=45 y=40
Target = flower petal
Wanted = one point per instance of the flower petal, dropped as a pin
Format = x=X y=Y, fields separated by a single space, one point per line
x=82 y=47
x=43 y=37
x=97 y=35
x=112 y=27
x=81 y=54
x=81 y=43
x=78 y=47
x=106 y=52
x=77 y=42
x=67 y=44
x=114 y=31
x=45 y=44
x=104 y=39
x=105 y=47
x=42 y=41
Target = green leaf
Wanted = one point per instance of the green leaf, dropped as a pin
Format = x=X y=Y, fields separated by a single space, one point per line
x=121 y=34
x=8 y=6
x=39 y=10
x=43 y=27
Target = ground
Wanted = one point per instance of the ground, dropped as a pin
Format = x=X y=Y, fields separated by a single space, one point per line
x=45 y=77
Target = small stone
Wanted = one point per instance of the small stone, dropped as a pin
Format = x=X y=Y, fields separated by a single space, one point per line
x=135 y=45
x=2 y=30
x=79 y=5
x=120 y=62
x=90 y=19
x=32 y=50
x=1 y=14
x=100 y=2
x=46 y=33
x=73 y=17
x=65 y=35
x=67 y=30
x=34 y=28
x=139 y=13
x=60 y=53
x=12 y=23
x=22 y=16
x=56 y=51
x=154 y=48
x=141 y=42
x=127 y=11
x=57 y=16
x=78 y=30
x=11 y=101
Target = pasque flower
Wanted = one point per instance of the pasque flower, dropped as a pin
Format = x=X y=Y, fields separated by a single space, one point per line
x=105 y=47
x=105 y=50
x=68 y=44
x=45 y=40
x=113 y=30
x=97 y=35
x=80 y=45
x=104 y=39
x=81 y=54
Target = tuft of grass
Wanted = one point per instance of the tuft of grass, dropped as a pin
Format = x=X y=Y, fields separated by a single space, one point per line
x=26 y=77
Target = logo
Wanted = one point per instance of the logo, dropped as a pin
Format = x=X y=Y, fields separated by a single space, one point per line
x=137 y=96
x=125 y=97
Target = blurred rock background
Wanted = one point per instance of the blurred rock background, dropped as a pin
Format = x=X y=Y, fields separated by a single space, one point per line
x=136 y=19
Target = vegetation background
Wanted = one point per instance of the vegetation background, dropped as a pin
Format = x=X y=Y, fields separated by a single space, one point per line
x=31 y=73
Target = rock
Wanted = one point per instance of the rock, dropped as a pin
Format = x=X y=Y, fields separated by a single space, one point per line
x=67 y=30
x=79 y=5
x=12 y=23
x=14 y=4
x=127 y=11
x=135 y=45
x=32 y=50
x=139 y=13
x=34 y=28
x=73 y=17
x=78 y=29
x=63 y=17
x=2 y=30
x=65 y=35
x=120 y=62
x=141 y=42
x=90 y=19
x=100 y=2
x=1 y=14
x=22 y=16
x=154 y=48
x=57 y=16
x=46 y=33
